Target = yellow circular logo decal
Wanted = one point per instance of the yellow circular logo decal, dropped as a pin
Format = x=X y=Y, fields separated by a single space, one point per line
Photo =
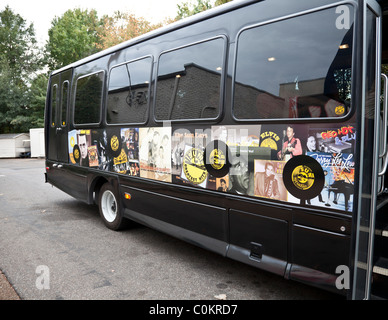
x=114 y=143
x=72 y=142
x=269 y=143
x=339 y=110
x=76 y=154
x=217 y=159
x=303 y=177
x=194 y=167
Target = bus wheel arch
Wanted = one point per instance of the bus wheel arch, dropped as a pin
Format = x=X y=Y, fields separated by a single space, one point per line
x=95 y=188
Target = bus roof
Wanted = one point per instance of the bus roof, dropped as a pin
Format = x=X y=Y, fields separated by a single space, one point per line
x=173 y=26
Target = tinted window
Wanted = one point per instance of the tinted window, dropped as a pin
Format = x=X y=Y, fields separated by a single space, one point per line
x=54 y=93
x=128 y=92
x=65 y=95
x=88 y=99
x=295 y=68
x=189 y=82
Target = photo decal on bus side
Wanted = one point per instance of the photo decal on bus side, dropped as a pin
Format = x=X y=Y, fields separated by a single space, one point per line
x=187 y=157
x=269 y=180
x=79 y=143
x=155 y=153
x=130 y=139
x=335 y=153
x=250 y=160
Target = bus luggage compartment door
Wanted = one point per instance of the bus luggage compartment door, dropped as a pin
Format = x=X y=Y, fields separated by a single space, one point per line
x=258 y=240
x=198 y=223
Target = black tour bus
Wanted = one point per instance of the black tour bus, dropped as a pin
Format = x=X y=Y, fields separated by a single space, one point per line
x=257 y=130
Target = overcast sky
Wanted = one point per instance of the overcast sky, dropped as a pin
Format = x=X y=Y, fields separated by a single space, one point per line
x=42 y=12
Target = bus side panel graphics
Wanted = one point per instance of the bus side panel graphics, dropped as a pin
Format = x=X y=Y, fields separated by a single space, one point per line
x=241 y=159
x=339 y=179
x=333 y=149
x=187 y=157
x=130 y=151
x=155 y=153
x=269 y=182
x=303 y=177
x=72 y=142
x=79 y=142
x=243 y=147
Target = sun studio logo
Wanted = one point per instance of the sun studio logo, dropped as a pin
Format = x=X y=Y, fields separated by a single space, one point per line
x=76 y=154
x=217 y=159
x=194 y=167
x=269 y=139
x=303 y=177
x=114 y=143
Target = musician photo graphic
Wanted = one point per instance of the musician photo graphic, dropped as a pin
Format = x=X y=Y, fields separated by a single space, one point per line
x=291 y=146
x=266 y=184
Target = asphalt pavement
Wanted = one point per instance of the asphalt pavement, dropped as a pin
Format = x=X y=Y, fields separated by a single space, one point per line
x=54 y=247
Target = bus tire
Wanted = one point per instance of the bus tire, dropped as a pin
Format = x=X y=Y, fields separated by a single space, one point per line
x=110 y=207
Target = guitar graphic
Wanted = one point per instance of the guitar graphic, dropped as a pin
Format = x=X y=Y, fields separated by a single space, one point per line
x=286 y=154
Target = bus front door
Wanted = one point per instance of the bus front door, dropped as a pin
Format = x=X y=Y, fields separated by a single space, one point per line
x=63 y=114
x=58 y=117
x=52 y=122
x=370 y=276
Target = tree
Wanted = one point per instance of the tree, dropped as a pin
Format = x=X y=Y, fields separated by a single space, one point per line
x=220 y=2
x=122 y=27
x=187 y=9
x=13 y=101
x=37 y=100
x=73 y=37
x=19 y=62
x=18 y=45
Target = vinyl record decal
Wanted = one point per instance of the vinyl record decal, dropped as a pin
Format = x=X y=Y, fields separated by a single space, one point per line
x=303 y=177
x=76 y=153
x=193 y=166
x=114 y=145
x=216 y=158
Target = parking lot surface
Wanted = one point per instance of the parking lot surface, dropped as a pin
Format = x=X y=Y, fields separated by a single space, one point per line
x=55 y=247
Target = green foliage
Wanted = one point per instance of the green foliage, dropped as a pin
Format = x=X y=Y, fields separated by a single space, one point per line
x=384 y=68
x=187 y=9
x=37 y=100
x=19 y=61
x=122 y=26
x=72 y=37
x=18 y=46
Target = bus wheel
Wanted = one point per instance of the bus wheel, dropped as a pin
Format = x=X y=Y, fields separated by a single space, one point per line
x=110 y=208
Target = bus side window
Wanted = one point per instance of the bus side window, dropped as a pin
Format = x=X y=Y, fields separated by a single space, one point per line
x=65 y=96
x=88 y=99
x=54 y=95
x=189 y=81
x=285 y=70
x=128 y=92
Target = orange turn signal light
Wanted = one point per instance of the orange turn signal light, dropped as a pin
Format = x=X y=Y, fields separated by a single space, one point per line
x=127 y=196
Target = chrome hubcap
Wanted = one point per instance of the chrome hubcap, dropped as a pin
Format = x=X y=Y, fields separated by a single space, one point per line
x=109 y=206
